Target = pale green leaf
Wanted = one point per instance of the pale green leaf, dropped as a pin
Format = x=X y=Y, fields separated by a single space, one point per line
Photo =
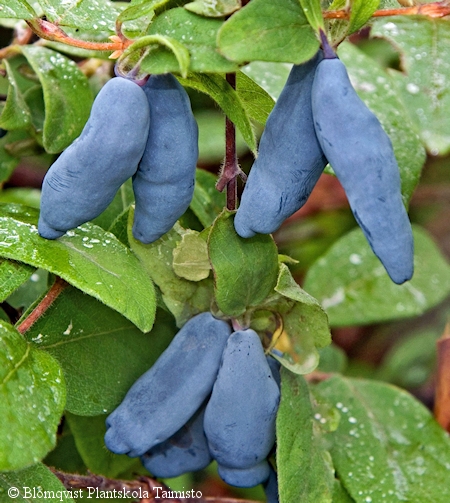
x=425 y=81
x=213 y=8
x=88 y=257
x=270 y=76
x=313 y=12
x=15 y=114
x=32 y=399
x=12 y=275
x=190 y=257
x=255 y=99
x=207 y=202
x=388 y=447
x=353 y=287
x=16 y=9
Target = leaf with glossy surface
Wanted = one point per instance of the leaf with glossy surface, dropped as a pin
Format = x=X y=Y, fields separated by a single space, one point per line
x=358 y=290
x=426 y=78
x=101 y=353
x=207 y=202
x=197 y=33
x=245 y=270
x=15 y=114
x=213 y=8
x=67 y=96
x=16 y=9
x=32 y=398
x=88 y=257
x=305 y=473
x=377 y=89
x=228 y=100
x=12 y=275
x=190 y=257
x=387 y=445
x=264 y=30
x=37 y=477
x=183 y=298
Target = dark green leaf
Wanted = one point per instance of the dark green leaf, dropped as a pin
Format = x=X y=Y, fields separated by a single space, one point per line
x=30 y=291
x=183 y=298
x=377 y=90
x=65 y=456
x=67 y=96
x=100 y=352
x=228 y=100
x=207 y=202
x=268 y=31
x=32 y=398
x=361 y=12
x=15 y=114
x=387 y=447
x=305 y=472
x=88 y=257
x=213 y=8
x=197 y=33
x=424 y=83
x=9 y=162
x=32 y=482
x=89 y=435
x=245 y=270
x=354 y=289
x=12 y=275
x=340 y=495
x=256 y=100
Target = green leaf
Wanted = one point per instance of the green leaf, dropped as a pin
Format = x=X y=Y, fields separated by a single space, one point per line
x=67 y=96
x=21 y=195
x=101 y=353
x=146 y=45
x=30 y=291
x=197 y=33
x=387 y=447
x=305 y=473
x=305 y=325
x=9 y=162
x=207 y=202
x=340 y=495
x=190 y=257
x=268 y=31
x=228 y=100
x=32 y=398
x=32 y=482
x=361 y=12
x=98 y=15
x=89 y=435
x=270 y=76
x=377 y=90
x=121 y=202
x=65 y=456
x=245 y=270
x=358 y=290
x=139 y=9
x=12 y=275
x=183 y=298
x=15 y=114
x=88 y=257
x=256 y=100
x=213 y=8
x=16 y=9
x=426 y=78
x=313 y=12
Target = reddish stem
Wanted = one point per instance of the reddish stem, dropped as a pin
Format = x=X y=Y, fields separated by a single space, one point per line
x=434 y=10
x=57 y=287
x=442 y=399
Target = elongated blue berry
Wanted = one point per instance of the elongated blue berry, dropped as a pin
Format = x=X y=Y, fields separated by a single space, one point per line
x=240 y=415
x=84 y=179
x=247 y=477
x=164 y=182
x=361 y=154
x=290 y=160
x=163 y=399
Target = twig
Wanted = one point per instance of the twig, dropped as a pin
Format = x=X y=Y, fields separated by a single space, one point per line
x=442 y=399
x=146 y=489
x=434 y=10
x=231 y=169
x=57 y=287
